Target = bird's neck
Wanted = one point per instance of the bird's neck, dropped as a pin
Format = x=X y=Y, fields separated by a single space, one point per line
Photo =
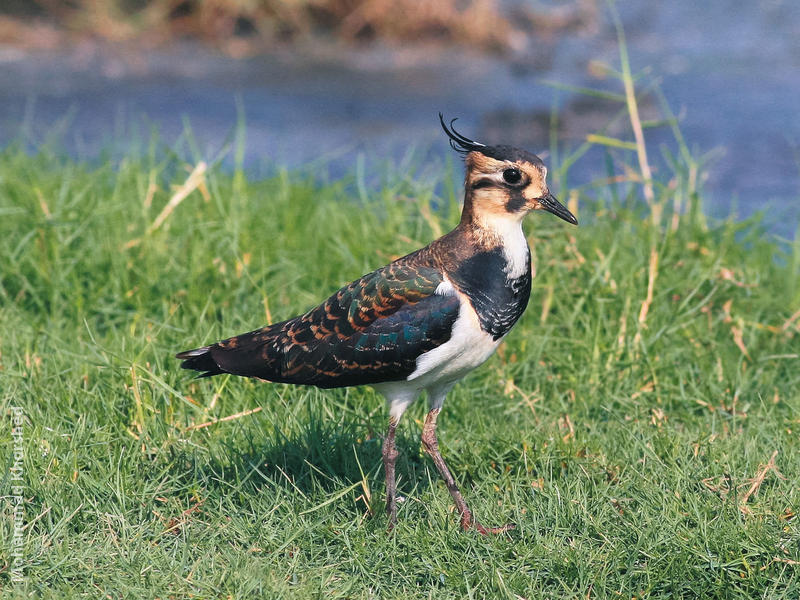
x=503 y=230
x=492 y=268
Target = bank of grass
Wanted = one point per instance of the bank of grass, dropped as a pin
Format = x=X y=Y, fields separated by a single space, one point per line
x=244 y=27
x=629 y=448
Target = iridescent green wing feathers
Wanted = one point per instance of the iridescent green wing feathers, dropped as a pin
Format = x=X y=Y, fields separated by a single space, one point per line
x=370 y=331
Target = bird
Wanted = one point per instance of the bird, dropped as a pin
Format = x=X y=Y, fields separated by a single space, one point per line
x=420 y=323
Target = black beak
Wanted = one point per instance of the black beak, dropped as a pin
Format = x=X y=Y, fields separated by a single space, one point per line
x=552 y=205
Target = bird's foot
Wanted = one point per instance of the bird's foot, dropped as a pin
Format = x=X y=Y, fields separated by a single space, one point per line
x=467 y=523
x=493 y=530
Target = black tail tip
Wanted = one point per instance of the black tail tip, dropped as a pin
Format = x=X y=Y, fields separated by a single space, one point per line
x=199 y=359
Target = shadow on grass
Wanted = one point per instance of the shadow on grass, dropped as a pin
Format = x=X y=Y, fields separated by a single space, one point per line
x=317 y=460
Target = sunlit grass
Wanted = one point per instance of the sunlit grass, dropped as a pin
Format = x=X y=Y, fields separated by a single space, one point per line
x=623 y=448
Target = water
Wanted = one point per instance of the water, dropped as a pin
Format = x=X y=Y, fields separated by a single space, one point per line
x=733 y=73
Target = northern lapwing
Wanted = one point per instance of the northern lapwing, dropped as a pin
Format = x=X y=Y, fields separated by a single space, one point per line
x=423 y=321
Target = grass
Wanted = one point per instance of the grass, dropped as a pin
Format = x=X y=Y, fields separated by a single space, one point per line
x=626 y=425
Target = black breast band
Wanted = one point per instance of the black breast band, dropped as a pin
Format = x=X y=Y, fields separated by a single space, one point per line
x=498 y=300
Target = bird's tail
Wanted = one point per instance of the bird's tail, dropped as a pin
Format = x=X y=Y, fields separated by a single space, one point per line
x=200 y=359
x=243 y=355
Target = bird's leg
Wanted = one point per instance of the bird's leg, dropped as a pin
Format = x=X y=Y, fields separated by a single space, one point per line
x=431 y=446
x=389 y=460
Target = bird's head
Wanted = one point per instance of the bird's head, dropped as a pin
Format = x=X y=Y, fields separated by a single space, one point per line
x=502 y=182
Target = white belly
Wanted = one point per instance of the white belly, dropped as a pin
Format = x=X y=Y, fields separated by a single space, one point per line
x=468 y=347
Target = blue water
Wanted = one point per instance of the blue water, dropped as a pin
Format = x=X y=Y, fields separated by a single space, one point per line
x=730 y=70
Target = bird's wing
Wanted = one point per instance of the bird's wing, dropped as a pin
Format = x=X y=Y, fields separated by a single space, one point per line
x=370 y=331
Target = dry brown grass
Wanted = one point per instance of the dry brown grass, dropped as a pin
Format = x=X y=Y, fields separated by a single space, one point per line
x=241 y=27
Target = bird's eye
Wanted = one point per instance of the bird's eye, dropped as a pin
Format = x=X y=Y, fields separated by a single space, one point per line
x=512 y=176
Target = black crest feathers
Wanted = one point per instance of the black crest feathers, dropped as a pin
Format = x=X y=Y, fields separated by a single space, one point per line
x=458 y=142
